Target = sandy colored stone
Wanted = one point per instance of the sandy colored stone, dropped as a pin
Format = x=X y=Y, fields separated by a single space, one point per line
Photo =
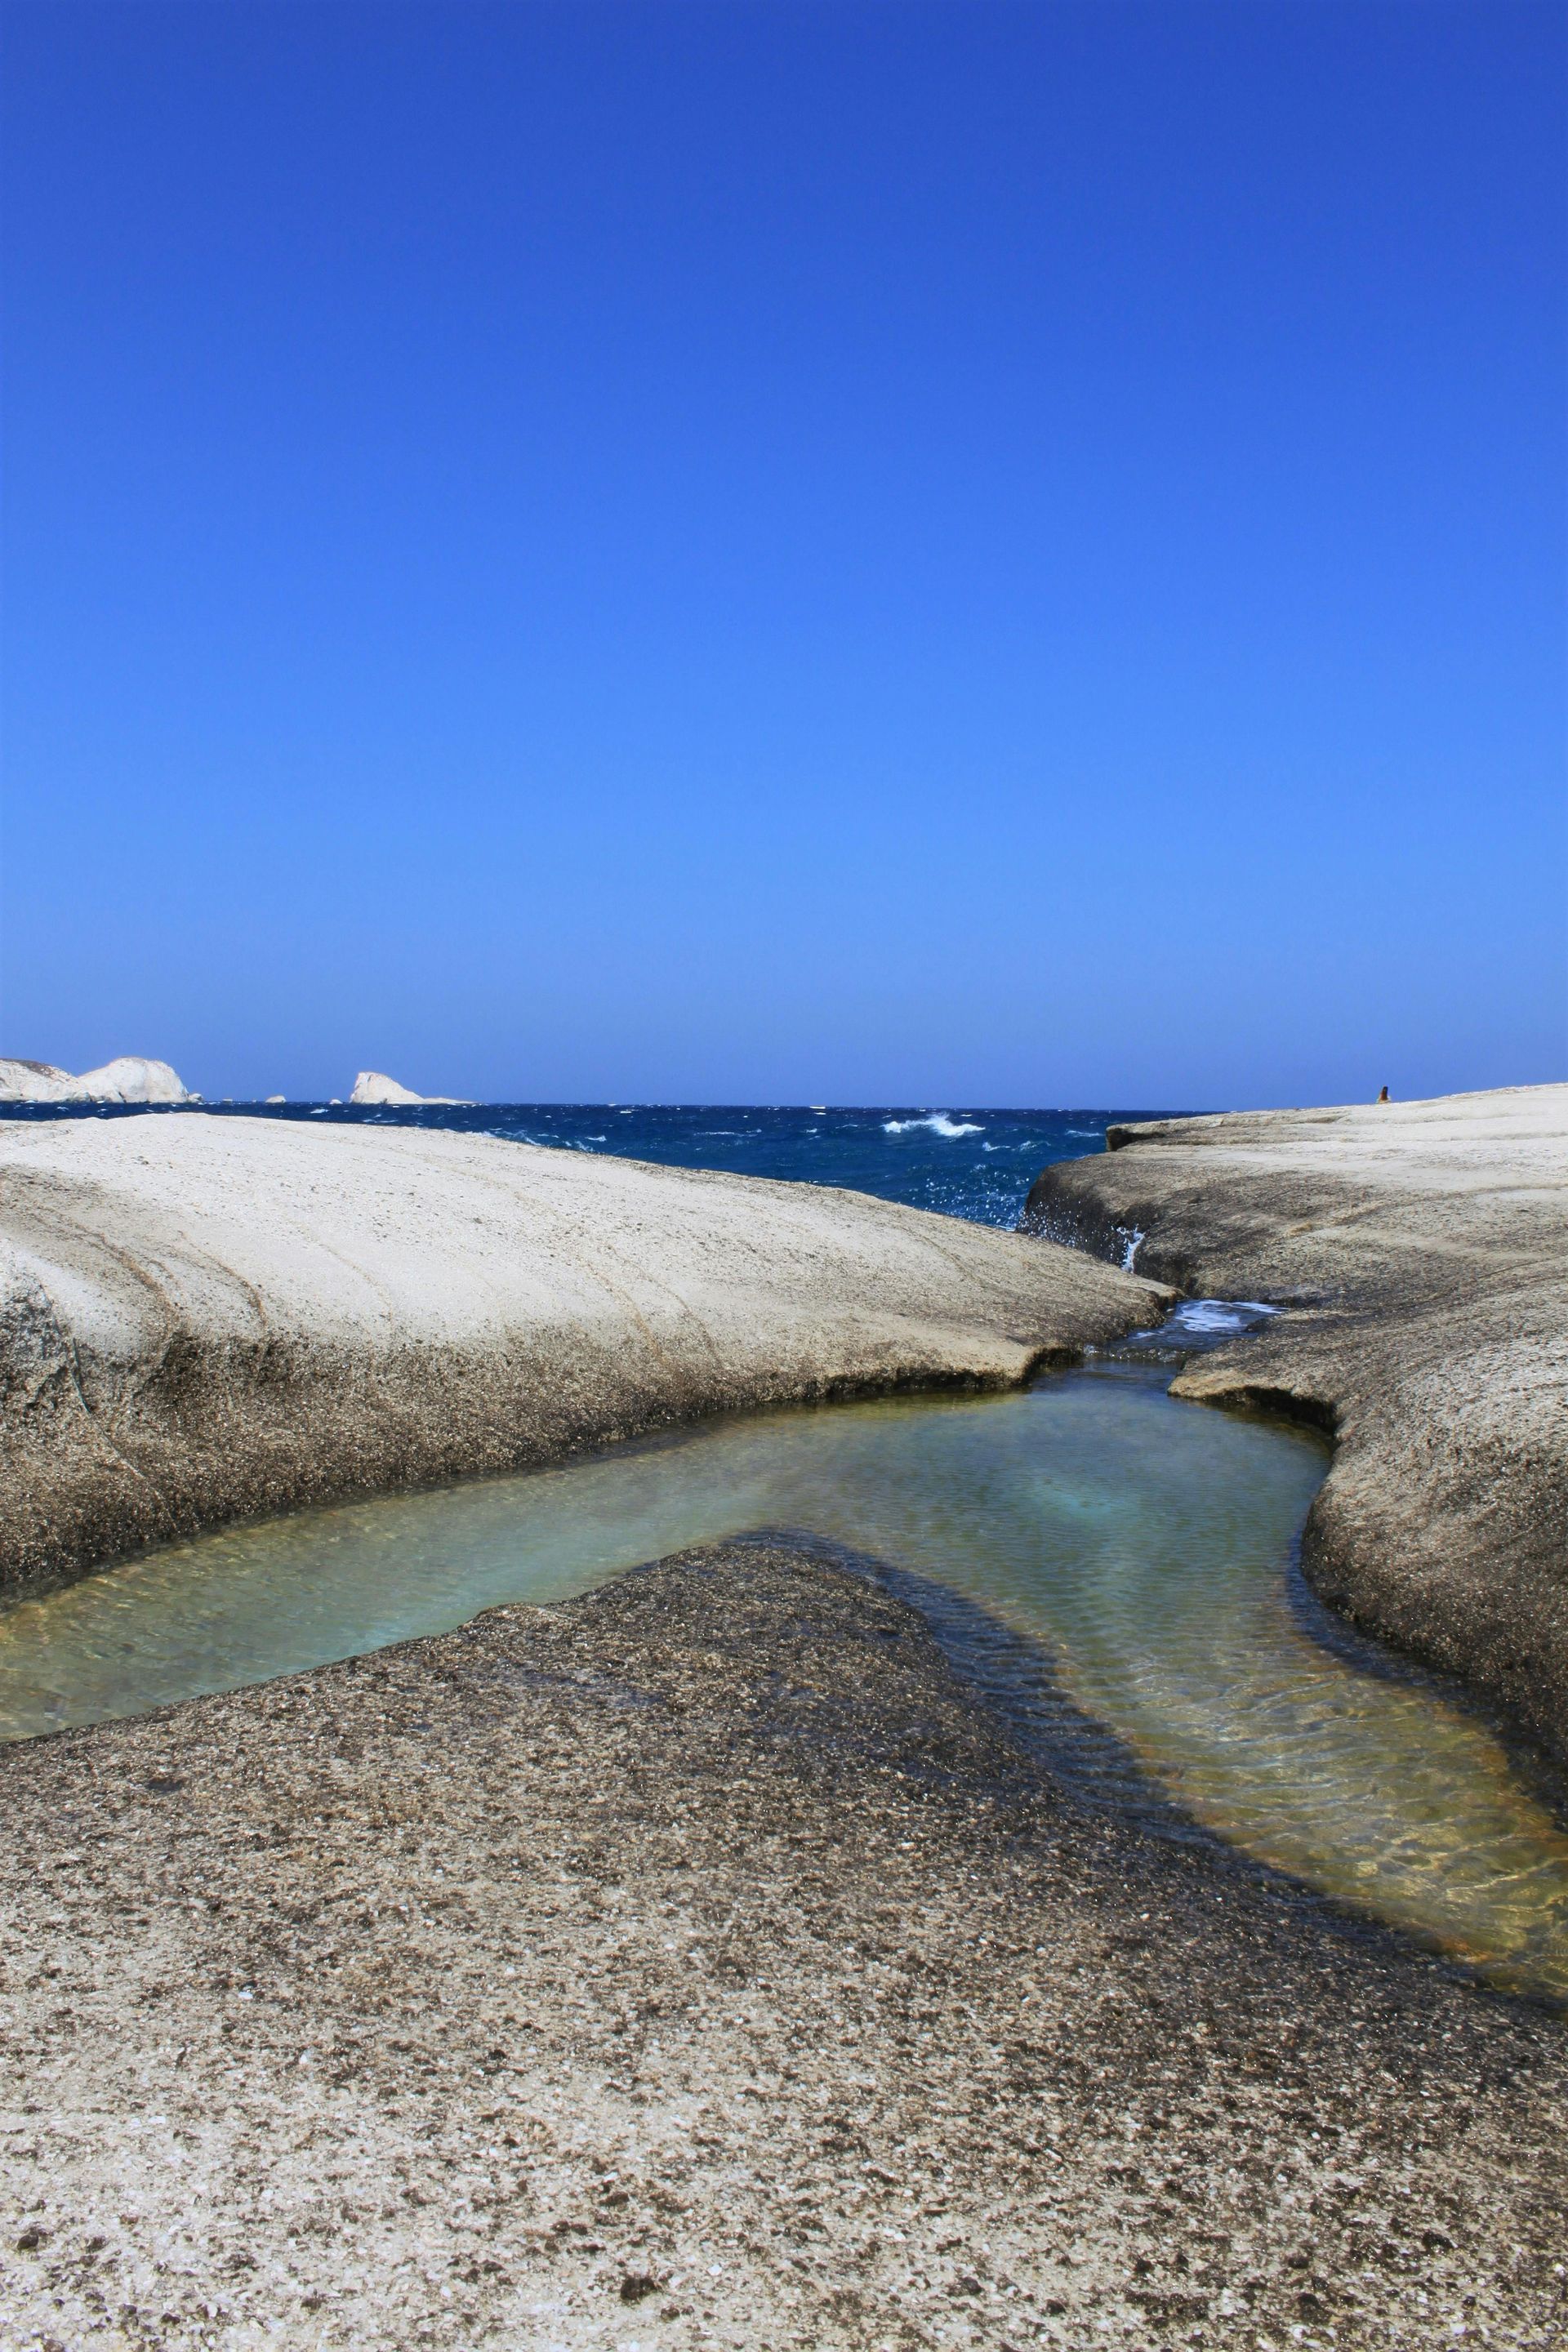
x=701 y=1963
x=205 y=1318
x=1422 y=1251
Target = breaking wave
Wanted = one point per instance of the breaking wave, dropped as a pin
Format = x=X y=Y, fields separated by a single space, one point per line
x=939 y=1122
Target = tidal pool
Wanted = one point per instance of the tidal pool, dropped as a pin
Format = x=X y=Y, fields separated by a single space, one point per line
x=1145 y=1544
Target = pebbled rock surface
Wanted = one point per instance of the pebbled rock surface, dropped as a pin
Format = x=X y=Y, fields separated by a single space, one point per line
x=205 y=1318
x=1421 y=1250
x=699 y=1964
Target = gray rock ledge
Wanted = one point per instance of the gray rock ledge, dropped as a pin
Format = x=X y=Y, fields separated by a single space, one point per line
x=205 y=1319
x=1422 y=1251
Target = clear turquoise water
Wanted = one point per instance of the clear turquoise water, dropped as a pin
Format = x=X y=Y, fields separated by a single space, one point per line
x=1146 y=1543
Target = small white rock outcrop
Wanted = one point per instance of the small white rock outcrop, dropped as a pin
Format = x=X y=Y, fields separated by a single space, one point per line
x=130 y=1078
x=375 y=1086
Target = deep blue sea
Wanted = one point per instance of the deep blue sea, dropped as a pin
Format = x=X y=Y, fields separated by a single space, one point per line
x=965 y=1162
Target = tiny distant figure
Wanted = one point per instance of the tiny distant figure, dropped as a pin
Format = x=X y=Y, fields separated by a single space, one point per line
x=1383 y=1094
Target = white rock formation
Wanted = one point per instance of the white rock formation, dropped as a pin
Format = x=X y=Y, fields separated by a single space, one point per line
x=130 y=1078
x=375 y=1086
x=36 y=1082
x=133 y=1079
x=202 y=1319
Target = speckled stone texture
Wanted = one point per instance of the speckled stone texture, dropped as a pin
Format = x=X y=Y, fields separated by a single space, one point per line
x=1421 y=1250
x=700 y=1963
x=205 y=1318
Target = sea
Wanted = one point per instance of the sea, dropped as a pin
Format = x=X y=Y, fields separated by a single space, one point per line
x=961 y=1160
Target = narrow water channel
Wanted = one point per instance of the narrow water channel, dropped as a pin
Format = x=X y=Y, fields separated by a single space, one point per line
x=1144 y=1543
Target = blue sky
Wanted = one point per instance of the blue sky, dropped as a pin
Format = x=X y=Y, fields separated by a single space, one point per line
x=894 y=552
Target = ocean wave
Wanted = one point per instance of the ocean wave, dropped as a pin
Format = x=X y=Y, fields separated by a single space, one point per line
x=939 y=1122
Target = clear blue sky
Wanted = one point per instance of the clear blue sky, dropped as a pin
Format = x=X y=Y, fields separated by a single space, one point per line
x=969 y=552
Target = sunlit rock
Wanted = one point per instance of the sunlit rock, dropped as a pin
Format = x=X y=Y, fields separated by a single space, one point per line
x=375 y=1086
x=130 y=1078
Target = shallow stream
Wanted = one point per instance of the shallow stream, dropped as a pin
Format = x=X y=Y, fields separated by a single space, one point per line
x=1146 y=1544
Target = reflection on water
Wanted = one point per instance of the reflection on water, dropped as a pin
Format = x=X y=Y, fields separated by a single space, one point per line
x=1143 y=1541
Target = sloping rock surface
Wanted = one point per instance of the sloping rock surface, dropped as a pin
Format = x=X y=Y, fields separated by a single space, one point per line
x=209 y=1317
x=1421 y=1250
x=700 y=1964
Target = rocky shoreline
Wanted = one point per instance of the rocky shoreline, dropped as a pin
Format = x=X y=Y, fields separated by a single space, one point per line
x=210 y=1319
x=1420 y=1251
x=700 y=1963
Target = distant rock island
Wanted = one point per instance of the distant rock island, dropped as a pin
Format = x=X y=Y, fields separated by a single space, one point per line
x=131 y=1078
x=375 y=1086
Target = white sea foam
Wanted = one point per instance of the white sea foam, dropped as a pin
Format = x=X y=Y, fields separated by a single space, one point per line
x=1218 y=1314
x=939 y=1122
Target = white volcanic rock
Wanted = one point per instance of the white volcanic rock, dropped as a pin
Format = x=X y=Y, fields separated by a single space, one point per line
x=131 y=1078
x=375 y=1086
x=202 y=1319
x=36 y=1082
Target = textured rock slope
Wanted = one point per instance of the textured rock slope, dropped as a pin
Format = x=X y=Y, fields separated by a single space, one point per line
x=204 y=1318
x=699 y=1965
x=1422 y=1251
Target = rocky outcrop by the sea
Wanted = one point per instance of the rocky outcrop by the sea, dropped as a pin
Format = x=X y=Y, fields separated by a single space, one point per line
x=375 y=1086
x=130 y=1078
x=213 y=1317
x=1420 y=1253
